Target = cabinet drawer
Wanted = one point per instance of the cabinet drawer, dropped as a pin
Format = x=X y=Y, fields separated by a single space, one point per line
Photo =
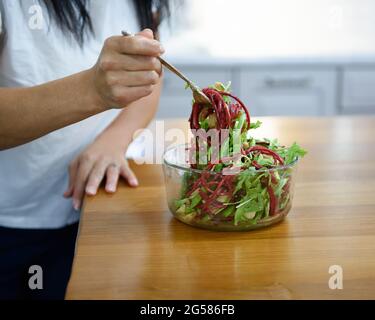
x=358 y=93
x=292 y=92
x=174 y=107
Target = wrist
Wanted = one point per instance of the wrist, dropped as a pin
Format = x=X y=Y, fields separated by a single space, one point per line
x=119 y=140
x=94 y=99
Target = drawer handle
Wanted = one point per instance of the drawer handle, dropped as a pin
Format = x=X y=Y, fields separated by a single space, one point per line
x=287 y=83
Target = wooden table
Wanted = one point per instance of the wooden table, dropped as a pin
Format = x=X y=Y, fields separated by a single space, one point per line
x=130 y=247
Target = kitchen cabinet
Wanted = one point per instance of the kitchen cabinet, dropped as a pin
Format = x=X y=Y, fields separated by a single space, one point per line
x=289 y=91
x=304 y=88
x=358 y=90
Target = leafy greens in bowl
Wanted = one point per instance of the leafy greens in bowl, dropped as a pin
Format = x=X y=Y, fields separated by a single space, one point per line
x=226 y=179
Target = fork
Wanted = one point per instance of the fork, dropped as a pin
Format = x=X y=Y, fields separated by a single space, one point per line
x=199 y=96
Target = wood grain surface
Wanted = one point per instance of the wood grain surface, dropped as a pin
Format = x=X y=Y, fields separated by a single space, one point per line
x=130 y=246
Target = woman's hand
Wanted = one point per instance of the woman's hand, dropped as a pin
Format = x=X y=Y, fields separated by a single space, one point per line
x=127 y=69
x=101 y=160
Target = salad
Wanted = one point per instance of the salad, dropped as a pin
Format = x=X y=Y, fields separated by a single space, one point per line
x=235 y=180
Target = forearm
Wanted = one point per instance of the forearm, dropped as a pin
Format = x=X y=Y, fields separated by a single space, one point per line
x=29 y=113
x=136 y=116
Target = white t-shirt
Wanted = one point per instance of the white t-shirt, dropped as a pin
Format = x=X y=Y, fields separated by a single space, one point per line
x=34 y=176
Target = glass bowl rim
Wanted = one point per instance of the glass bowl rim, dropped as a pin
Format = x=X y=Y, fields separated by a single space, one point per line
x=179 y=167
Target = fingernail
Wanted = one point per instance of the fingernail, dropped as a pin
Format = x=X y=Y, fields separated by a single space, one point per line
x=111 y=189
x=90 y=191
x=162 y=50
x=133 y=182
x=76 y=205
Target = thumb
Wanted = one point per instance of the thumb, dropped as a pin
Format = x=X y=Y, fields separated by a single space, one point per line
x=147 y=33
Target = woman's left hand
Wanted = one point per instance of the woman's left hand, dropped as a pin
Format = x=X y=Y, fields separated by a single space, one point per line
x=102 y=159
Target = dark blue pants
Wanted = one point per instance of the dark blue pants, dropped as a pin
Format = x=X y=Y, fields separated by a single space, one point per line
x=52 y=250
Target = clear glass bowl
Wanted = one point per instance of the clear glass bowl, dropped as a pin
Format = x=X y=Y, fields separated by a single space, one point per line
x=250 y=199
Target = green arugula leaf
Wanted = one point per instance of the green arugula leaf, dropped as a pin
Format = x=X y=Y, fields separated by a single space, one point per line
x=255 y=125
x=240 y=121
x=228 y=211
x=219 y=167
x=294 y=152
x=195 y=201
x=204 y=124
x=280 y=187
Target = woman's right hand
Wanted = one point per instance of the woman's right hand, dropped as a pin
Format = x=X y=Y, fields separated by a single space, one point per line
x=127 y=69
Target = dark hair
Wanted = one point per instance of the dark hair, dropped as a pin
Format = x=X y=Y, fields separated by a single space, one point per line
x=73 y=17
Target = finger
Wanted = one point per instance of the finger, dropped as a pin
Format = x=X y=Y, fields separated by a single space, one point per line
x=137 y=44
x=122 y=96
x=130 y=63
x=113 y=173
x=132 y=78
x=129 y=176
x=72 y=174
x=84 y=169
x=96 y=176
x=69 y=192
x=148 y=33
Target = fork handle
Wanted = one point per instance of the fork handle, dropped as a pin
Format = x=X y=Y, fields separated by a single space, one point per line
x=176 y=71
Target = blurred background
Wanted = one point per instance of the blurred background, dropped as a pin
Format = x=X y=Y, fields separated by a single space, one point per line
x=289 y=57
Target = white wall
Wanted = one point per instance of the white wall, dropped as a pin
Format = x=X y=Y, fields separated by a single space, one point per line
x=267 y=28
